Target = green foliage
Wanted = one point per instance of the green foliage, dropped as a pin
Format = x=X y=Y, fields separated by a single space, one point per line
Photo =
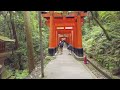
x=20 y=57
x=108 y=16
x=107 y=53
x=17 y=74
x=6 y=74
x=21 y=74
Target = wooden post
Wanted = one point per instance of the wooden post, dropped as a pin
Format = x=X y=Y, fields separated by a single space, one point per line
x=41 y=46
x=51 y=30
x=74 y=35
x=66 y=39
x=56 y=38
x=79 y=32
x=71 y=38
x=79 y=49
x=52 y=34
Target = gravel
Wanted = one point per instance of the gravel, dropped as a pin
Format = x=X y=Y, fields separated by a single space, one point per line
x=36 y=74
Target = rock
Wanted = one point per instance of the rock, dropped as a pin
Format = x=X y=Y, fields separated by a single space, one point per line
x=116 y=71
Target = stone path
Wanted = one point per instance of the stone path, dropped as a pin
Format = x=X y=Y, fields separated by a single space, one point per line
x=67 y=67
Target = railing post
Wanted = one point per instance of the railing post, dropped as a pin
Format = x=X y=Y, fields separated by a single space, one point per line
x=85 y=59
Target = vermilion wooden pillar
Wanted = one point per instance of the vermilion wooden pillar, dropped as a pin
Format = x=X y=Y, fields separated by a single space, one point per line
x=74 y=36
x=69 y=39
x=57 y=39
x=52 y=34
x=79 y=49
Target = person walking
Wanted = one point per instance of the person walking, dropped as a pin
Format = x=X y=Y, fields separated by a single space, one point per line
x=61 y=44
x=70 y=49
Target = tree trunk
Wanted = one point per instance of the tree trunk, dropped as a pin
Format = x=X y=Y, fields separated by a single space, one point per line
x=41 y=47
x=89 y=18
x=104 y=30
x=14 y=30
x=9 y=29
x=29 y=41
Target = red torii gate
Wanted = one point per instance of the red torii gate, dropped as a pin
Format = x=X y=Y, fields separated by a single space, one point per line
x=68 y=26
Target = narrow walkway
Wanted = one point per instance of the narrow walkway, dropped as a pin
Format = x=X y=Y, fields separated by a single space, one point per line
x=66 y=67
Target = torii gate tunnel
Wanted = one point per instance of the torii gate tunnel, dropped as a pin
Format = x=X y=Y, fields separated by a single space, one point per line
x=65 y=26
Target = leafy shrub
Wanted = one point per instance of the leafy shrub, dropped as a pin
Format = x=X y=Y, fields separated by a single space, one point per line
x=95 y=44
